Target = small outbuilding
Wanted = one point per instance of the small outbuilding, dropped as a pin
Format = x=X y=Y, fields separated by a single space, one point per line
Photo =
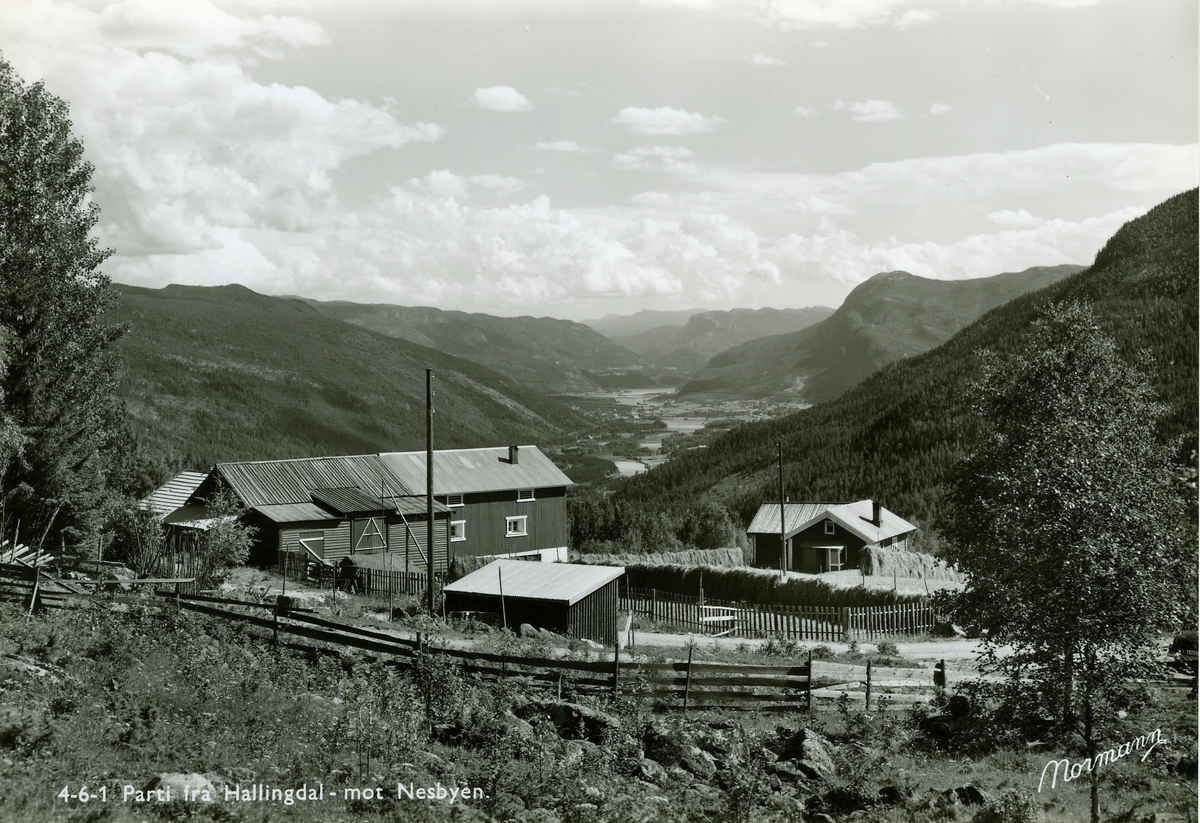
x=824 y=537
x=572 y=600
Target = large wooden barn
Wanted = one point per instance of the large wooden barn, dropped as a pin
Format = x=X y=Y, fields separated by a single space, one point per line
x=571 y=600
x=823 y=537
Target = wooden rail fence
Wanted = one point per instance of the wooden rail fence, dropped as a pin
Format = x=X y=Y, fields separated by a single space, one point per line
x=806 y=685
x=752 y=620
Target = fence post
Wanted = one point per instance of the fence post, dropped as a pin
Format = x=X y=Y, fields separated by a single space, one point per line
x=616 y=668
x=868 y=707
x=654 y=604
x=810 y=685
x=939 y=674
x=845 y=623
x=687 y=682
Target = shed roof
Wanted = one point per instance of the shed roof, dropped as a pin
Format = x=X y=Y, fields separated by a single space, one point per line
x=558 y=582
x=194 y=516
x=174 y=493
x=459 y=471
x=345 y=501
x=277 y=482
x=295 y=512
x=854 y=517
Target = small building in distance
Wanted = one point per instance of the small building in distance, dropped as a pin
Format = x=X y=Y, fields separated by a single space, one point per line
x=568 y=599
x=509 y=501
x=822 y=537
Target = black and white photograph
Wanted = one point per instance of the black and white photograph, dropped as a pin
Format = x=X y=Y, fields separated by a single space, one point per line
x=604 y=411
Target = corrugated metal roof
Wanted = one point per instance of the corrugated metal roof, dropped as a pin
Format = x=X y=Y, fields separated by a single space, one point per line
x=277 y=482
x=766 y=519
x=458 y=471
x=194 y=516
x=295 y=512
x=855 y=517
x=557 y=582
x=174 y=493
x=345 y=501
x=409 y=506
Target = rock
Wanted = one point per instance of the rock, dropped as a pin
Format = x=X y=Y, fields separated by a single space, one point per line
x=789 y=770
x=820 y=818
x=967 y=795
x=812 y=752
x=698 y=762
x=572 y=720
x=651 y=770
x=592 y=644
x=664 y=743
x=706 y=793
x=193 y=786
x=788 y=805
x=846 y=799
x=516 y=727
x=527 y=630
x=891 y=795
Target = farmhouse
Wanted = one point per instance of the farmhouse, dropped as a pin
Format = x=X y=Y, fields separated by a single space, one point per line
x=572 y=600
x=822 y=537
x=504 y=502
x=507 y=501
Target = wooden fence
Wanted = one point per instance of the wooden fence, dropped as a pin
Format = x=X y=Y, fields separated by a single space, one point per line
x=752 y=620
x=806 y=685
x=364 y=580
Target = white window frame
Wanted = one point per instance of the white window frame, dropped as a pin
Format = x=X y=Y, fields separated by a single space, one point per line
x=461 y=527
x=830 y=527
x=522 y=519
x=521 y=499
x=829 y=558
x=454 y=500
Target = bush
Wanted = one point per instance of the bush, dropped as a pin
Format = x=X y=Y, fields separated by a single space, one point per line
x=1012 y=806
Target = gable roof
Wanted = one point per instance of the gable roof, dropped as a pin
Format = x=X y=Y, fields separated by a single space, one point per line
x=174 y=493
x=459 y=471
x=279 y=482
x=559 y=582
x=854 y=517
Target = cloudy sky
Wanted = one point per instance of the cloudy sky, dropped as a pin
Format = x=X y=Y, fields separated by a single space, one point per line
x=581 y=158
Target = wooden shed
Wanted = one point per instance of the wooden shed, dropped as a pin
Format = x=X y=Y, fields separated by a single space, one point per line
x=572 y=600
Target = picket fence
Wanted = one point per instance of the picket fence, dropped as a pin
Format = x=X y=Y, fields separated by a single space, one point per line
x=754 y=620
x=364 y=580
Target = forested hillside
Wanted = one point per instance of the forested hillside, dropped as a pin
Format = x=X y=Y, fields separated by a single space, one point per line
x=896 y=436
x=545 y=354
x=891 y=316
x=224 y=373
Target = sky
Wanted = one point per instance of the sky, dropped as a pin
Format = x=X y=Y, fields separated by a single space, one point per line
x=593 y=157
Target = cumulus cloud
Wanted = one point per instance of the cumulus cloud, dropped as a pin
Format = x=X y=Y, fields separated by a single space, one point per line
x=763 y=60
x=876 y=111
x=940 y=108
x=560 y=145
x=836 y=14
x=1020 y=218
x=501 y=98
x=665 y=158
x=499 y=184
x=664 y=120
x=806 y=111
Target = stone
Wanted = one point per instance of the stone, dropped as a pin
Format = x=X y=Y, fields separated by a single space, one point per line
x=651 y=770
x=967 y=795
x=572 y=720
x=516 y=727
x=820 y=818
x=790 y=770
x=698 y=762
x=192 y=786
x=891 y=795
x=813 y=752
x=528 y=630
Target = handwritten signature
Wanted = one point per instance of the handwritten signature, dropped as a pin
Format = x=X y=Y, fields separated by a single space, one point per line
x=1071 y=771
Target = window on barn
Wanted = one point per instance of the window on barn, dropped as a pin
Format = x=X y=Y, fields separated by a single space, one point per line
x=830 y=528
x=369 y=534
x=516 y=526
x=458 y=530
x=453 y=500
x=524 y=495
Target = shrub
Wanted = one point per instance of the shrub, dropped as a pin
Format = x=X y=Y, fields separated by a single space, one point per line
x=1011 y=806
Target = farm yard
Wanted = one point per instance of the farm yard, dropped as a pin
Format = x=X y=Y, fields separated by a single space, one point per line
x=120 y=689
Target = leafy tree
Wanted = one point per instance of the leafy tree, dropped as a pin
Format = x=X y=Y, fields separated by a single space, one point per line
x=227 y=541
x=58 y=387
x=1068 y=522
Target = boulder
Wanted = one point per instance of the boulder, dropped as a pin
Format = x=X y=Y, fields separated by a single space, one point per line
x=967 y=795
x=812 y=753
x=572 y=720
x=193 y=786
x=650 y=771
x=528 y=630
x=698 y=762
x=789 y=770
x=664 y=743
x=516 y=727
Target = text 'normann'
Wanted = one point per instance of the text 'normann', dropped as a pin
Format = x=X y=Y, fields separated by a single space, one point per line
x=1073 y=770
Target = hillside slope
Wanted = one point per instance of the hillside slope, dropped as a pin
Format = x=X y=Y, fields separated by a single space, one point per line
x=688 y=347
x=613 y=326
x=896 y=436
x=890 y=316
x=543 y=353
x=224 y=373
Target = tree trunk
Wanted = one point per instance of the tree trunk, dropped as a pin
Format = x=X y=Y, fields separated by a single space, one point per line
x=1089 y=734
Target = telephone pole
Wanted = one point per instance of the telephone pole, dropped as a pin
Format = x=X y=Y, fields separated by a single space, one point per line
x=429 y=483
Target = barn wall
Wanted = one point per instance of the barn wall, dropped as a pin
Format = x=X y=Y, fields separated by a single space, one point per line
x=402 y=541
x=485 y=514
x=595 y=616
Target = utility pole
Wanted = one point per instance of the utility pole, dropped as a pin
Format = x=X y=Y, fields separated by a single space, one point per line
x=782 y=521
x=429 y=565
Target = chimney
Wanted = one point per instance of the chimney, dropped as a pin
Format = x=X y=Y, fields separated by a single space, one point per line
x=875 y=512
x=512 y=454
